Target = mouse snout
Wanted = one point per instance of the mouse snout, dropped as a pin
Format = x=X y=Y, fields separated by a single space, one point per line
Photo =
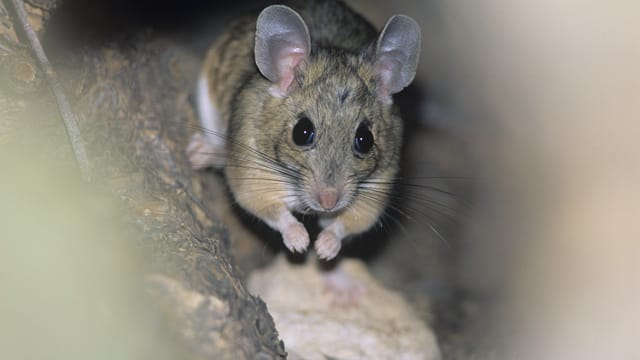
x=328 y=197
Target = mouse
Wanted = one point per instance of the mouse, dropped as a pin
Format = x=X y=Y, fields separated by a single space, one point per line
x=296 y=108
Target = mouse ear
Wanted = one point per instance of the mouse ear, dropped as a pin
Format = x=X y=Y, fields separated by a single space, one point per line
x=397 y=53
x=282 y=42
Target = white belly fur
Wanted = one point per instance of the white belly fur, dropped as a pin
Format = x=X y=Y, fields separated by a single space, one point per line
x=213 y=127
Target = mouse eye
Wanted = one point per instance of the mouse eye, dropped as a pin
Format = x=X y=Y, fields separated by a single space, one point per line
x=303 y=132
x=363 y=141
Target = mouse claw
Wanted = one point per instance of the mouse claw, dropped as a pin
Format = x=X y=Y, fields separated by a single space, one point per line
x=295 y=237
x=327 y=245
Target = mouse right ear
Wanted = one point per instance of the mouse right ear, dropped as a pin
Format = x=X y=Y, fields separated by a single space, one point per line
x=282 y=42
x=397 y=52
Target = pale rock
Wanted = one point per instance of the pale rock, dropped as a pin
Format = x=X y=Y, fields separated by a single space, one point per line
x=381 y=325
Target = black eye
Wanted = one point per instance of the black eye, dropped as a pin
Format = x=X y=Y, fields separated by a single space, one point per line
x=364 y=139
x=303 y=132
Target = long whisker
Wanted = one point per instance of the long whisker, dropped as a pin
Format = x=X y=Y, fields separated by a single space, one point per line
x=429 y=203
x=261 y=154
x=372 y=206
x=411 y=185
x=261 y=164
x=265 y=179
x=392 y=195
x=368 y=197
x=259 y=157
x=448 y=178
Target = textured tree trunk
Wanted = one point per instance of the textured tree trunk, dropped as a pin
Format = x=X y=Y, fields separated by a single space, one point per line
x=131 y=101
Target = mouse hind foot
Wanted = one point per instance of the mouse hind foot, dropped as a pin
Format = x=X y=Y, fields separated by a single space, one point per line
x=202 y=153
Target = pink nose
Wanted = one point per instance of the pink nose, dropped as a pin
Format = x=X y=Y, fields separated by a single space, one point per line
x=328 y=197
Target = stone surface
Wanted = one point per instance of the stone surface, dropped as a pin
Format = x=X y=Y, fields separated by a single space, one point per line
x=381 y=325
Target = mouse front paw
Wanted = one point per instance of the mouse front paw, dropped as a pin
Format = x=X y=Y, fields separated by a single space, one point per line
x=295 y=237
x=327 y=245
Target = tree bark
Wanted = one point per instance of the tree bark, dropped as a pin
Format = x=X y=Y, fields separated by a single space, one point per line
x=135 y=117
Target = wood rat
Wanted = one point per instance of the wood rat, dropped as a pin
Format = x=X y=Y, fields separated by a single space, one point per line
x=296 y=106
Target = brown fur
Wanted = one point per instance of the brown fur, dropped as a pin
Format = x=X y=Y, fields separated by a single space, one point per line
x=336 y=87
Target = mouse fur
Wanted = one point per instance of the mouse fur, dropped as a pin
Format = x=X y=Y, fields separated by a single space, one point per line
x=321 y=61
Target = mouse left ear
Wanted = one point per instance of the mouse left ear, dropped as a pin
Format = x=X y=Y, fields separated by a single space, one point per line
x=282 y=41
x=397 y=53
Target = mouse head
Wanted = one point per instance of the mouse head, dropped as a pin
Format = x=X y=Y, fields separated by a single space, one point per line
x=333 y=107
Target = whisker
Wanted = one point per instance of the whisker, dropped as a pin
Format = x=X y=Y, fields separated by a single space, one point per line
x=381 y=202
x=400 y=178
x=430 y=203
x=413 y=185
x=272 y=165
x=269 y=180
x=386 y=214
x=392 y=195
x=264 y=158
x=284 y=174
x=417 y=191
x=375 y=197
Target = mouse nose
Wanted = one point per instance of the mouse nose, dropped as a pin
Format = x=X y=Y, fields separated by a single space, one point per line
x=328 y=197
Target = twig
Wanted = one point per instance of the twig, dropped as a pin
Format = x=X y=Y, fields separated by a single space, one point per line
x=69 y=118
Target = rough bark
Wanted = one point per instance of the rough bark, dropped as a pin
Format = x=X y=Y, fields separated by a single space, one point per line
x=132 y=101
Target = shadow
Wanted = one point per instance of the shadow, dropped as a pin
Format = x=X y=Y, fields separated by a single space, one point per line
x=92 y=23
